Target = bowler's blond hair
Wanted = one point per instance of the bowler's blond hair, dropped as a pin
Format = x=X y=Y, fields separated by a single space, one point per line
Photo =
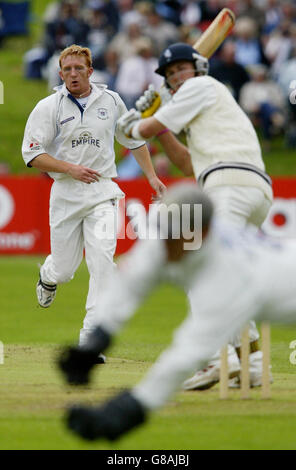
x=76 y=50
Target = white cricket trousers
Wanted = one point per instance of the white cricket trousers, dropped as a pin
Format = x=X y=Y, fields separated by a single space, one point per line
x=241 y=205
x=83 y=217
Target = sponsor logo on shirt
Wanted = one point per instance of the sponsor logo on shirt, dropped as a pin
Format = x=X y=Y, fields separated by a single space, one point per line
x=67 y=120
x=35 y=146
x=85 y=138
x=103 y=113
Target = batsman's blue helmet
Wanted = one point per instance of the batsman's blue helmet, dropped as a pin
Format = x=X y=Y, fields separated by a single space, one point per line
x=182 y=51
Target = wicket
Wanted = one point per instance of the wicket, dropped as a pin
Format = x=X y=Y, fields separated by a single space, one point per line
x=245 y=375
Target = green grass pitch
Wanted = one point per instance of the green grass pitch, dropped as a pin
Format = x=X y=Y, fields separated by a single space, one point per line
x=33 y=395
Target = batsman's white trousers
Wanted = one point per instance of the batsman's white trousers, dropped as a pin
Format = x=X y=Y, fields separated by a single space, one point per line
x=241 y=205
x=83 y=217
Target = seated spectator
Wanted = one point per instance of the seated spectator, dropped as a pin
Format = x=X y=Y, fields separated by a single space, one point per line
x=263 y=100
x=249 y=9
x=279 y=45
x=273 y=16
x=125 y=40
x=288 y=9
x=191 y=13
x=228 y=71
x=137 y=72
x=109 y=8
x=109 y=69
x=126 y=13
x=248 y=48
x=128 y=167
x=161 y=32
x=189 y=34
x=162 y=165
x=169 y=10
x=287 y=81
x=100 y=32
x=209 y=10
x=69 y=27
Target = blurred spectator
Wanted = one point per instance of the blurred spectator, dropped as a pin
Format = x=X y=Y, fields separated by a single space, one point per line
x=286 y=80
x=273 y=16
x=191 y=13
x=288 y=8
x=249 y=9
x=264 y=102
x=209 y=10
x=110 y=11
x=124 y=41
x=50 y=72
x=110 y=68
x=1 y=27
x=279 y=45
x=137 y=72
x=189 y=34
x=248 y=49
x=52 y=11
x=161 y=32
x=169 y=10
x=128 y=167
x=161 y=165
x=68 y=29
x=100 y=32
x=228 y=71
x=127 y=13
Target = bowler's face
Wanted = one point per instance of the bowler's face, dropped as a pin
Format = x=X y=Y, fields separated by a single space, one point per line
x=75 y=72
x=178 y=72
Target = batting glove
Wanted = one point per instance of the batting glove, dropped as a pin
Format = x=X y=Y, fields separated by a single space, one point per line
x=109 y=421
x=149 y=102
x=127 y=121
x=76 y=362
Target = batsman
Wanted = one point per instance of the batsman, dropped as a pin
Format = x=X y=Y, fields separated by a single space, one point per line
x=223 y=153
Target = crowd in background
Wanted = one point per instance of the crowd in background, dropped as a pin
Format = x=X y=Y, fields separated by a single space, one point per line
x=257 y=62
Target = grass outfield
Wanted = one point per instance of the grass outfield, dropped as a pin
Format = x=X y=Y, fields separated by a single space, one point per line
x=33 y=395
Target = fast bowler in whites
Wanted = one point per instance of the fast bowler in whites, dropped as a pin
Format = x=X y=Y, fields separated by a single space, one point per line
x=70 y=134
x=237 y=274
x=223 y=153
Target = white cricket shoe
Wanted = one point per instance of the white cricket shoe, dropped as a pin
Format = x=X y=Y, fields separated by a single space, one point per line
x=208 y=377
x=101 y=359
x=45 y=293
x=255 y=364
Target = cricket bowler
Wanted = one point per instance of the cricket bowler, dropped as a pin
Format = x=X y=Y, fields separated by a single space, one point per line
x=70 y=135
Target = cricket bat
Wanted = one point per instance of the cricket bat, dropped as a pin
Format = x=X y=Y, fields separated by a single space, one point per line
x=206 y=45
x=215 y=34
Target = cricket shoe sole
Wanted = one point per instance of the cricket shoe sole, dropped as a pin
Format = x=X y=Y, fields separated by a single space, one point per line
x=45 y=293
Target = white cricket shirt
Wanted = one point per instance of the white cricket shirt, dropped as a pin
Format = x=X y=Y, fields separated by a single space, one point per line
x=61 y=127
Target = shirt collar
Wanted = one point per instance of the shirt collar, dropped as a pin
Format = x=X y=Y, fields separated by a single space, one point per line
x=97 y=89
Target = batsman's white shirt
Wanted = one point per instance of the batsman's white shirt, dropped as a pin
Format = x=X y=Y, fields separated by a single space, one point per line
x=234 y=277
x=61 y=127
x=217 y=130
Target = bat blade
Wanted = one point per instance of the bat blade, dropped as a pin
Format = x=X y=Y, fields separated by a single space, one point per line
x=215 y=34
